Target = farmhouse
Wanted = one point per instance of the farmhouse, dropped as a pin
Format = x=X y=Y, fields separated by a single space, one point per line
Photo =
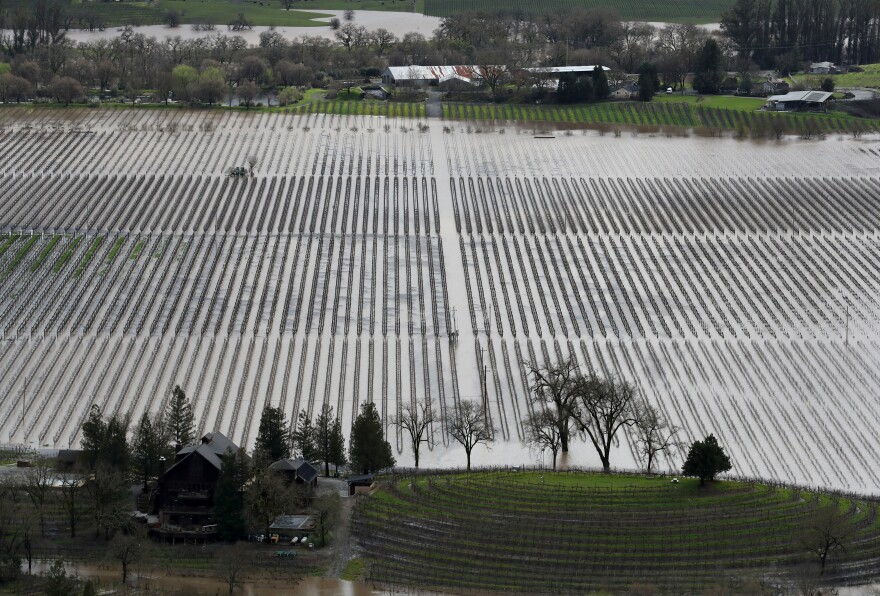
x=775 y=86
x=799 y=101
x=627 y=91
x=297 y=471
x=823 y=68
x=186 y=490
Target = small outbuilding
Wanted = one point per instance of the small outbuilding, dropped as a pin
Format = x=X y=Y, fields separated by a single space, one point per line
x=288 y=527
x=823 y=68
x=297 y=471
x=799 y=101
x=360 y=484
x=627 y=91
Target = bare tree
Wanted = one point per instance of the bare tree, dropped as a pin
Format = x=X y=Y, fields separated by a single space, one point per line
x=72 y=487
x=36 y=483
x=252 y=163
x=416 y=420
x=555 y=385
x=128 y=549
x=604 y=407
x=327 y=509
x=654 y=434
x=469 y=427
x=231 y=565
x=826 y=531
x=542 y=432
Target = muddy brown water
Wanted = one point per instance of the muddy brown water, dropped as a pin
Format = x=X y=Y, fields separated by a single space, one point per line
x=177 y=584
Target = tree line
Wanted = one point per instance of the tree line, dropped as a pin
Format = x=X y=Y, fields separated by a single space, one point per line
x=37 y=60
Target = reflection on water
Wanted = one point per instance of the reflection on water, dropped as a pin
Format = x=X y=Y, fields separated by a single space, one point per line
x=306 y=586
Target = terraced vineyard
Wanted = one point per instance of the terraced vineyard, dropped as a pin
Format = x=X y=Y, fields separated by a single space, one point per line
x=719 y=276
x=575 y=533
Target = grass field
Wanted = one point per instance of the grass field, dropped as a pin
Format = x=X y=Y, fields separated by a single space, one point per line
x=269 y=12
x=715 y=113
x=574 y=532
x=684 y=11
x=869 y=78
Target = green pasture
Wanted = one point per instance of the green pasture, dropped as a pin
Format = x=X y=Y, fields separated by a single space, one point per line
x=712 y=113
x=681 y=11
x=561 y=532
x=869 y=78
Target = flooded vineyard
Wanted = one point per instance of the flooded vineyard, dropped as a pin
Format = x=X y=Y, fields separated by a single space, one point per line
x=735 y=283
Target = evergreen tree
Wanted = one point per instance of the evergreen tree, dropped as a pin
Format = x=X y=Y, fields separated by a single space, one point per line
x=600 y=84
x=150 y=442
x=273 y=437
x=324 y=436
x=573 y=88
x=304 y=441
x=649 y=81
x=235 y=471
x=708 y=73
x=180 y=419
x=370 y=451
x=105 y=441
x=705 y=459
x=337 y=447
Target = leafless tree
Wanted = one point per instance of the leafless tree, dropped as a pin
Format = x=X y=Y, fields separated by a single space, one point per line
x=416 y=420
x=469 y=427
x=231 y=565
x=604 y=407
x=36 y=483
x=554 y=385
x=326 y=508
x=542 y=431
x=128 y=549
x=778 y=127
x=252 y=163
x=825 y=532
x=72 y=487
x=654 y=434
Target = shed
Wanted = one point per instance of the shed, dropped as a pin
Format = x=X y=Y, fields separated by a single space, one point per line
x=293 y=526
x=627 y=91
x=359 y=484
x=823 y=68
x=799 y=101
x=297 y=471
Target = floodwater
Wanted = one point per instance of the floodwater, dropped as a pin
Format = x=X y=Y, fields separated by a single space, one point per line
x=305 y=586
x=707 y=271
x=399 y=23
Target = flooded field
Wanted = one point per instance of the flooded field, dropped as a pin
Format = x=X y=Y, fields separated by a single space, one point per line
x=735 y=282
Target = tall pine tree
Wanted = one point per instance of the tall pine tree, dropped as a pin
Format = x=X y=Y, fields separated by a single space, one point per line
x=149 y=444
x=370 y=451
x=324 y=436
x=235 y=471
x=304 y=438
x=180 y=419
x=273 y=437
x=337 y=446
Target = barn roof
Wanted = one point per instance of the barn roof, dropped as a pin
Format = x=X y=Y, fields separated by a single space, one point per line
x=565 y=69
x=806 y=96
x=432 y=73
x=306 y=471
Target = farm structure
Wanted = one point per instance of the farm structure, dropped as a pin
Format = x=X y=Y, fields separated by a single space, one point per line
x=742 y=304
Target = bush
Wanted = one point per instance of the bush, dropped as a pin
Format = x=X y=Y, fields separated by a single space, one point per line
x=828 y=84
x=289 y=95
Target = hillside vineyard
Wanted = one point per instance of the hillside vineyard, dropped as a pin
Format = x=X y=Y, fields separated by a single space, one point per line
x=735 y=283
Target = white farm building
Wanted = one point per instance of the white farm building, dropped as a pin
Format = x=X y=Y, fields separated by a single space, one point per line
x=401 y=75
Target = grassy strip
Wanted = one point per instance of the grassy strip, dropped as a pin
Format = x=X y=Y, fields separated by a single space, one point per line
x=114 y=250
x=19 y=256
x=716 y=113
x=10 y=240
x=137 y=250
x=44 y=253
x=65 y=256
x=90 y=253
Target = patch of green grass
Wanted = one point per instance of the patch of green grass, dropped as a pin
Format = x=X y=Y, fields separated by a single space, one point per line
x=19 y=256
x=44 y=253
x=869 y=78
x=354 y=570
x=137 y=250
x=715 y=113
x=87 y=258
x=65 y=256
x=114 y=250
x=10 y=240
x=679 y=11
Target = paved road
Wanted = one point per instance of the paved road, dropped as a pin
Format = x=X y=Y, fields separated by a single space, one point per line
x=859 y=93
x=434 y=109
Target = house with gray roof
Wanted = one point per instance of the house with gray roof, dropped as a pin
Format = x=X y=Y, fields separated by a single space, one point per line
x=297 y=471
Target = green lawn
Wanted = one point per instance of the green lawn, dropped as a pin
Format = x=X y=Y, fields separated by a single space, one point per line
x=683 y=11
x=745 y=104
x=869 y=78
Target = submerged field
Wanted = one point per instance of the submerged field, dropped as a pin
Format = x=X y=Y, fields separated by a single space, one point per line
x=528 y=532
x=735 y=282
